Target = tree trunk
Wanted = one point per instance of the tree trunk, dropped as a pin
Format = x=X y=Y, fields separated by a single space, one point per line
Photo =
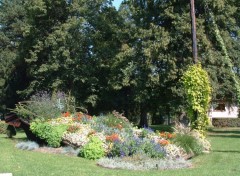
x=143 y=118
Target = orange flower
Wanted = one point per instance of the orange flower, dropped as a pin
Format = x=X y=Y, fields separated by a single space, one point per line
x=112 y=137
x=169 y=136
x=66 y=114
x=119 y=126
x=163 y=134
x=164 y=142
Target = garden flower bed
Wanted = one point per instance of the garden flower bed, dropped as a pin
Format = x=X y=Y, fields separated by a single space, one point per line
x=113 y=139
x=117 y=147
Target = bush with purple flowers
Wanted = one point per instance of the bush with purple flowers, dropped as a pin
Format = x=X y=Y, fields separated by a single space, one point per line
x=136 y=145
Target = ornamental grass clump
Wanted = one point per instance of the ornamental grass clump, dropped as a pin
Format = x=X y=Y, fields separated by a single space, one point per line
x=42 y=105
x=189 y=144
x=199 y=138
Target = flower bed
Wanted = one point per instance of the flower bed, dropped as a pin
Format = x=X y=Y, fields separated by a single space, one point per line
x=114 y=138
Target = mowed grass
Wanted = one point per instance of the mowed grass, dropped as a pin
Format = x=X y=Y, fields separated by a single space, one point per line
x=223 y=160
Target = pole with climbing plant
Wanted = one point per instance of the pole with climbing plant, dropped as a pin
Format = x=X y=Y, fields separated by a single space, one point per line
x=197 y=86
x=194 y=35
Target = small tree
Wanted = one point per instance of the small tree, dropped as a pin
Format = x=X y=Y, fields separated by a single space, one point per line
x=197 y=88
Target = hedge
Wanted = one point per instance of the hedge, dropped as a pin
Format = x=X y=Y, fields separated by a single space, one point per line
x=226 y=122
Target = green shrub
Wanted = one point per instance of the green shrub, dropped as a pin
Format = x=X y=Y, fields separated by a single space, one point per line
x=198 y=95
x=3 y=127
x=52 y=134
x=188 y=143
x=93 y=149
x=224 y=122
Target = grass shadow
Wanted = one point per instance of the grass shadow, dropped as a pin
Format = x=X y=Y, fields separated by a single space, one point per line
x=226 y=151
x=225 y=132
x=15 y=138
x=224 y=136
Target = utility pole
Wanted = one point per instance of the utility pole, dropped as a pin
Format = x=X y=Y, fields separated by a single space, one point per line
x=194 y=36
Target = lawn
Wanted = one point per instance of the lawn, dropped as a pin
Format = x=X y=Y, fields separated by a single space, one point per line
x=223 y=160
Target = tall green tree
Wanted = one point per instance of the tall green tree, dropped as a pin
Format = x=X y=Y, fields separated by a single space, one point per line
x=12 y=20
x=148 y=62
x=130 y=60
x=66 y=45
x=157 y=45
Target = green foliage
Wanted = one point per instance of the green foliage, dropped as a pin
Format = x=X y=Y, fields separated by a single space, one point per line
x=93 y=150
x=130 y=60
x=162 y=128
x=50 y=133
x=12 y=22
x=152 y=149
x=198 y=94
x=226 y=55
x=226 y=122
x=188 y=143
x=3 y=127
x=116 y=120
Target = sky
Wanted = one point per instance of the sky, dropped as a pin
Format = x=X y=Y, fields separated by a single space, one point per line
x=117 y=3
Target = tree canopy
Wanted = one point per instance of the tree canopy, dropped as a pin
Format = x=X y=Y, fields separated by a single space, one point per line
x=130 y=60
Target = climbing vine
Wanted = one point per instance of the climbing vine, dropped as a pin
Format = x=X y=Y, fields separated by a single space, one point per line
x=198 y=94
x=224 y=50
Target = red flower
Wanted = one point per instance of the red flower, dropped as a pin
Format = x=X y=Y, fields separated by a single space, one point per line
x=66 y=114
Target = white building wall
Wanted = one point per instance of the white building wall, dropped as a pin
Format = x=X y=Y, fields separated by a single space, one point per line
x=231 y=112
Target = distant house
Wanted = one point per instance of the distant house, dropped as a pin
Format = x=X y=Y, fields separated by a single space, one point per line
x=223 y=110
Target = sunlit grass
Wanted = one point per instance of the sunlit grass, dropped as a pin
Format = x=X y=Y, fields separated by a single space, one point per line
x=223 y=160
